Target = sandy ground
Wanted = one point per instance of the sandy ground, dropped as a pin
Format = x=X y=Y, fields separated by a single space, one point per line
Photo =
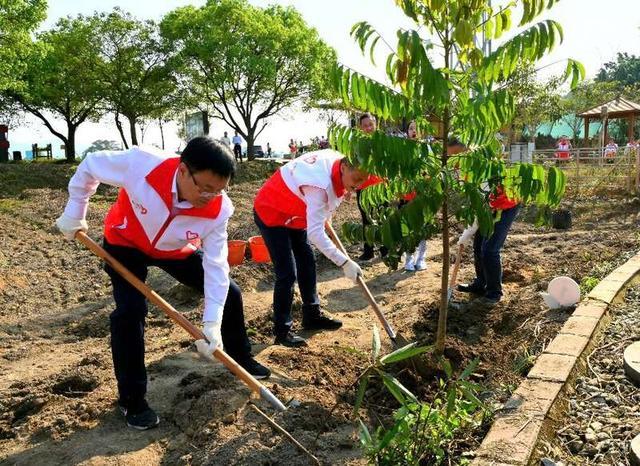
x=57 y=391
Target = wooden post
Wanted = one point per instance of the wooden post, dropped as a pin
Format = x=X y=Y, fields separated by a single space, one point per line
x=586 y=131
x=578 y=173
x=632 y=123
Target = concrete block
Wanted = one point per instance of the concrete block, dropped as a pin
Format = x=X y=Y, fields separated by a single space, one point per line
x=579 y=325
x=553 y=367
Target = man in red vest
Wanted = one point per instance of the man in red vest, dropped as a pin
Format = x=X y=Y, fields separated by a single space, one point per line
x=291 y=210
x=172 y=213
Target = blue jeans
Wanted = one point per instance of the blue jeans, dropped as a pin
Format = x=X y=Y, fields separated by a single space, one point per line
x=292 y=259
x=486 y=254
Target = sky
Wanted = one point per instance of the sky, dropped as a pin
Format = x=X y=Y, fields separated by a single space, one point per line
x=593 y=33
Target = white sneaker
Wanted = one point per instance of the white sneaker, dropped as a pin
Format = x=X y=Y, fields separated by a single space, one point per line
x=409 y=266
x=420 y=265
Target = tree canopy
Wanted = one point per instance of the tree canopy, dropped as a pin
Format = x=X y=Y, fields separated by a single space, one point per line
x=245 y=63
x=60 y=77
x=136 y=72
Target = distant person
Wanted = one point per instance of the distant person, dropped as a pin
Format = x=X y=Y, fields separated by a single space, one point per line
x=291 y=210
x=293 y=149
x=367 y=125
x=171 y=213
x=323 y=143
x=610 y=151
x=563 y=149
x=631 y=148
x=268 y=150
x=225 y=140
x=237 y=147
x=417 y=260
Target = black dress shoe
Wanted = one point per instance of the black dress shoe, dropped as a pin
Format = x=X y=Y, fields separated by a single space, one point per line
x=291 y=340
x=254 y=368
x=470 y=288
x=322 y=321
x=366 y=256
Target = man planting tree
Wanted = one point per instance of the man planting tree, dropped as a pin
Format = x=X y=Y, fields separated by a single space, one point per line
x=170 y=213
x=291 y=209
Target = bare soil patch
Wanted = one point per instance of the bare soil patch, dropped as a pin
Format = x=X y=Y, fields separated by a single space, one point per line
x=57 y=391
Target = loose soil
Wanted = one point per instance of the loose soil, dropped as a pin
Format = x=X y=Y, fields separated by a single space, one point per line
x=57 y=390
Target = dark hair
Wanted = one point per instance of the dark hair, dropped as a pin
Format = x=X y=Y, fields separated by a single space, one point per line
x=204 y=153
x=364 y=116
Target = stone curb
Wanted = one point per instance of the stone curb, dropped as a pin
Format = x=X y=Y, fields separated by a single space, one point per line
x=514 y=434
x=632 y=362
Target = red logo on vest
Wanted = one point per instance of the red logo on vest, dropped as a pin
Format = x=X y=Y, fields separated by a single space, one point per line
x=140 y=207
x=192 y=236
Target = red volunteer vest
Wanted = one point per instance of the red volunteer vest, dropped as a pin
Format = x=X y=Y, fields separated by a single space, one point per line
x=277 y=206
x=122 y=226
x=500 y=201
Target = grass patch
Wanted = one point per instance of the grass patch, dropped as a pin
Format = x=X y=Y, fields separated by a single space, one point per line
x=17 y=177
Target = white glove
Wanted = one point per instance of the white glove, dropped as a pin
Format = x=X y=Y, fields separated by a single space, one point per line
x=352 y=271
x=211 y=330
x=68 y=226
x=467 y=235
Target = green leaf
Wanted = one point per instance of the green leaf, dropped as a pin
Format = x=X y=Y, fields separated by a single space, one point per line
x=405 y=352
x=362 y=388
x=398 y=390
x=469 y=369
x=365 y=436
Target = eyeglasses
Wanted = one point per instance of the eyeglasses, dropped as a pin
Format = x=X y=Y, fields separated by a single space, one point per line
x=203 y=193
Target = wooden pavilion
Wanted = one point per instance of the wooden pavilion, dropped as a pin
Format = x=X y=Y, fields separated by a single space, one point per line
x=616 y=108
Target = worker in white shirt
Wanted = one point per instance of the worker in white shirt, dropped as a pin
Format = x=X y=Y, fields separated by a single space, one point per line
x=291 y=210
x=172 y=213
x=226 y=142
x=237 y=147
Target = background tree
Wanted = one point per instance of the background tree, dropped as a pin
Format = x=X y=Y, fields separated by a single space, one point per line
x=247 y=63
x=625 y=70
x=537 y=102
x=586 y=95
x=60 y=78
x=467 y=92
x=137 y=77
x=18 y=19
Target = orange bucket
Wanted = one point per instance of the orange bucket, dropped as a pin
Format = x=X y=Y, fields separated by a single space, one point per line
x=236 y=251
x=259 y=251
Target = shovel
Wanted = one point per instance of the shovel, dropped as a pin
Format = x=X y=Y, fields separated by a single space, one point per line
x=397 y=339
x=454 y=273
x=179 y=319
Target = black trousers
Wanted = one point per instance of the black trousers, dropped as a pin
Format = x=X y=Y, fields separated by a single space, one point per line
x=127 y=321
x=292 y=259
x=368 y=249
x=237 y=151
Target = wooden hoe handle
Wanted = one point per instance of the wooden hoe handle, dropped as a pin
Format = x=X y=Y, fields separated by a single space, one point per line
x=179 y=319
x=363 y=286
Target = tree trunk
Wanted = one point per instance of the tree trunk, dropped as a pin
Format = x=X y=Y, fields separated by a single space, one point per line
x=161 y=132
x=132 y=128
x=205 y=123
x=121 y=131
x=441 y=334
x=70 y=143
x=444 y=286
x=250 y=141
